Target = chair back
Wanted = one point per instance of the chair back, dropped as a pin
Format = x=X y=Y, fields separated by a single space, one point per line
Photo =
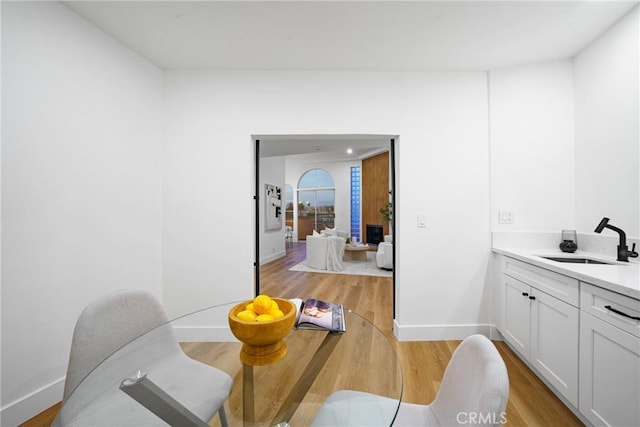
x=475 y=386
x=106 y=325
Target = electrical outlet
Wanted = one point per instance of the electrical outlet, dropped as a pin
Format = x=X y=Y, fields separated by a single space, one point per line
x=505 y=217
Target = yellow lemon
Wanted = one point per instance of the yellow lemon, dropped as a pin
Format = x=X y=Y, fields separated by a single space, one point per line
x=264 y=318
x=262 y=304
x=247 y=316
x=277 y=313
x=274 y=305
x=249 y=307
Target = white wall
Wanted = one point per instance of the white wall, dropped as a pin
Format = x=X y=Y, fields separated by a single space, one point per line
x=443 y=174
x=532 y=146
x=272 y=244
x=607 y=111
x=208 y=185
x=80 y=189
x=1 y=221
x=565 y=138
x=441 y=120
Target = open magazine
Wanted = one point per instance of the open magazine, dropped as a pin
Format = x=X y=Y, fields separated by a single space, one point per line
x=316 y=314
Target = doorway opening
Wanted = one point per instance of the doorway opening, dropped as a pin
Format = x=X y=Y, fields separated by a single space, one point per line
x=270 y=150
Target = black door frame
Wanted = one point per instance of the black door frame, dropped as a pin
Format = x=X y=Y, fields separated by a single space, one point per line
x=256 y=227
x=394 y=207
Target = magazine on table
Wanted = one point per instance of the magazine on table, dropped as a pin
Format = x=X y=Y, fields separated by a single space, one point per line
x=317 y=314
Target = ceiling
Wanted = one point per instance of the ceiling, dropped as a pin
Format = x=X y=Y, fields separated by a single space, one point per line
x=350 y=35
x=324 y=148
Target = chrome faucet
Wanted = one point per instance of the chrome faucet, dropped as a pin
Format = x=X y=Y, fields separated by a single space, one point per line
x=623 y=250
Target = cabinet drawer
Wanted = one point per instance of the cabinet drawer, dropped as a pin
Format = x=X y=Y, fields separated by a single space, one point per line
x=562 y=287
x=595 y=300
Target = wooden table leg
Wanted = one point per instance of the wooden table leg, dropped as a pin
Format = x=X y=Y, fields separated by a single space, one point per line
x=299 y=390
x=248 y=406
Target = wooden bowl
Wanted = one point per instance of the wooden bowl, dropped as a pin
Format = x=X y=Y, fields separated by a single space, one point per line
x=262 y=342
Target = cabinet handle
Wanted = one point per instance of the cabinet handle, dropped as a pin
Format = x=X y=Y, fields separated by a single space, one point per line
x=524 y=294
x=608 y=307
x=532 y=297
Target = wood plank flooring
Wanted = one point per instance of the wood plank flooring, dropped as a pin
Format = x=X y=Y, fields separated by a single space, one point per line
x=531 y=403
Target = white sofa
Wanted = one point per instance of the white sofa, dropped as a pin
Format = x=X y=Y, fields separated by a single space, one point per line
x=325 y=252
x=334 y=232
x=384 y=256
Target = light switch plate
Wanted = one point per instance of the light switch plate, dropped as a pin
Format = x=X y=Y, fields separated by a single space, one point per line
x=505 y=217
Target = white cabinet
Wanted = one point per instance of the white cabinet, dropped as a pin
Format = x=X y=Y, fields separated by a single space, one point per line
x=517 y=315
x=554 y=343
x=583 y=340
x=609 y=357
x=541 y=327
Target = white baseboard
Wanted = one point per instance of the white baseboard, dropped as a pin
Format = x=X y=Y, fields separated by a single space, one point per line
x=442 y=332
x=21 y=410
x=272 y=257
x=495 y=334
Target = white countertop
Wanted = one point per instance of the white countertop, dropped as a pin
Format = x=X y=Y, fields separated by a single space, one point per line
x=621 y=277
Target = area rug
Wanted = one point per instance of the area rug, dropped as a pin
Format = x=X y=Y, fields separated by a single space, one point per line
x=358 y=268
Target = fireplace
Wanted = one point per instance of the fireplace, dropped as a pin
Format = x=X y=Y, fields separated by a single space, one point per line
x=374 y=234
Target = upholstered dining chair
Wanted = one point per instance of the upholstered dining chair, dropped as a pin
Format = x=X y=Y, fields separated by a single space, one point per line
x=474 y=391
x=115 y=336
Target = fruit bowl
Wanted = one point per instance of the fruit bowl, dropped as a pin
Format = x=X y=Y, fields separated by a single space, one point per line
x=262 y=342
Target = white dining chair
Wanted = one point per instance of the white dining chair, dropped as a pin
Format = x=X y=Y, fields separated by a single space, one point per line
x=474 y=390
x=115 y=336
x=288 y=236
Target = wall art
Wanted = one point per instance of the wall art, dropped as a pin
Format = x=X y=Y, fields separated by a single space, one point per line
x=273 y=207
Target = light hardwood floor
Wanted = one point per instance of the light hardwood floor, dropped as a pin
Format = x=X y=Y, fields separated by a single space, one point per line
x=531 y=403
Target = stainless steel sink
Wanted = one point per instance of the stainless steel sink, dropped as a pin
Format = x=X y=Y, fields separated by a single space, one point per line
x=577 y=260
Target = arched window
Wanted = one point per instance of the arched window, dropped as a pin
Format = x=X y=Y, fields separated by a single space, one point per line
x=316 y=202
x=316 y=178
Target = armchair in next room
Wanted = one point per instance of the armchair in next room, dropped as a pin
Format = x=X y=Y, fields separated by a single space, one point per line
x=384 y=255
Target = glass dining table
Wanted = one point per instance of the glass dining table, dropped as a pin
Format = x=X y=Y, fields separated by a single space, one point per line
x=288 y=392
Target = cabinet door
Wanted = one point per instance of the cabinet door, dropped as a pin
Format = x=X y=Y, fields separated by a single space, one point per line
x=516 y=315
x=609 y=373
x=554 y=343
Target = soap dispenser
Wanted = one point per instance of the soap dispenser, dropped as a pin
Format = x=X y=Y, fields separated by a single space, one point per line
x=569 y=241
